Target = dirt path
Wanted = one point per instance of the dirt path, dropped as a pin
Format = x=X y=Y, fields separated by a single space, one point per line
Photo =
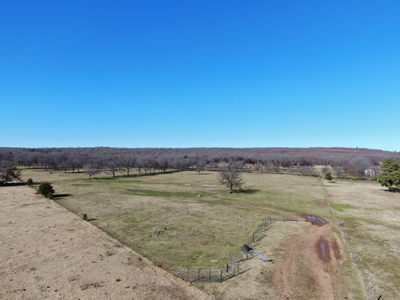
x=304 y=271
x=47 y=252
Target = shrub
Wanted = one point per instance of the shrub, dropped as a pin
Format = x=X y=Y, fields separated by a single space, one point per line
x=46 y=189
x=29 y=181
x=328 y=176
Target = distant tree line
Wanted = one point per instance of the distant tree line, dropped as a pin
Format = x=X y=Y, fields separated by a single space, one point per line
x=352 y=161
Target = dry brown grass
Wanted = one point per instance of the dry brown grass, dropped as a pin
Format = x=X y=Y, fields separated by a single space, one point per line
x=49 y=253
x=201 y=223
x=371 y=224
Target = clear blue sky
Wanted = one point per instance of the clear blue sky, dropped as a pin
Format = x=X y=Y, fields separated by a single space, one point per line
x=200 y=73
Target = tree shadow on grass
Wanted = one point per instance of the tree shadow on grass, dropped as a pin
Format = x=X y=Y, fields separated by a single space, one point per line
x=60 y=196
x=393 y=190
x=249 y=191
x=149 y=174
x=13 y=183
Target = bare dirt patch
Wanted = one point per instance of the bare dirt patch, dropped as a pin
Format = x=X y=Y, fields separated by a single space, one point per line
x=336 y=249
x=307 y=269
x=49 y=253
x=322 y=249
x=257 y=283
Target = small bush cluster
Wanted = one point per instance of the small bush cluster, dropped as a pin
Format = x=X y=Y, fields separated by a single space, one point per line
x=328 y=176
x=29 y=182
x=46 y=189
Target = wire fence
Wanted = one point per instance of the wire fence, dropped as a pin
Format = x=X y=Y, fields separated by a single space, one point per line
x=209 y=275
x=236 y=266
x=238 y=263
x=259 y=233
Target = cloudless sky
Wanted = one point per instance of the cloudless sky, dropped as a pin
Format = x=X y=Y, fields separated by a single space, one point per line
x=269 y=73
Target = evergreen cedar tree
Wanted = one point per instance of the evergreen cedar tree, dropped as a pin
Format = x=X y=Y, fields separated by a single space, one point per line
x=391 y=174
x=328 y=176
x=46 y=189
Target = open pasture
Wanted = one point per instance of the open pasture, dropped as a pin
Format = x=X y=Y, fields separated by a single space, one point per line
x=370 y=217
x=200 y=223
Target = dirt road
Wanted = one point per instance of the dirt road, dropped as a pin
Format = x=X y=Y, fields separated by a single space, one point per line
x=309 y=267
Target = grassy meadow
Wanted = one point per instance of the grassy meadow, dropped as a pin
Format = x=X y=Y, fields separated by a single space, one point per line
x=200 y=223
x=198 y=220
x=370 y=217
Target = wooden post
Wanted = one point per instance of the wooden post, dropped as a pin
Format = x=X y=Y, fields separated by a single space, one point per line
x=198 y=274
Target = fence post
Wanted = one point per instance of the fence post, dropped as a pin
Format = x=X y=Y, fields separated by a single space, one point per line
x=220 y=275
x=209 y=274
x=198 y=274
x=187 y=275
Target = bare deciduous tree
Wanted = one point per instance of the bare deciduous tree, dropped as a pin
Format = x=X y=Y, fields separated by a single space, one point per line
x=90 y=169
x=231 y=178
x=339 y=170
x=128 y=161
x=201 y=163
x=113 y=165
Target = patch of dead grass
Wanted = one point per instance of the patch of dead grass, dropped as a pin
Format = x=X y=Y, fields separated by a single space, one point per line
x=371 y=223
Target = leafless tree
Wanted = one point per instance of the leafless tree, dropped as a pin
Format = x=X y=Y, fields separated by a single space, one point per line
x=113 y=165
x=162 y=163
x=230 y=177
x=307 y=171
x=353 y=161
x=200 y=164
x=128 y=162
x=258 y=167
x=90 y=169
x=339 y=170
x=360 y=165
